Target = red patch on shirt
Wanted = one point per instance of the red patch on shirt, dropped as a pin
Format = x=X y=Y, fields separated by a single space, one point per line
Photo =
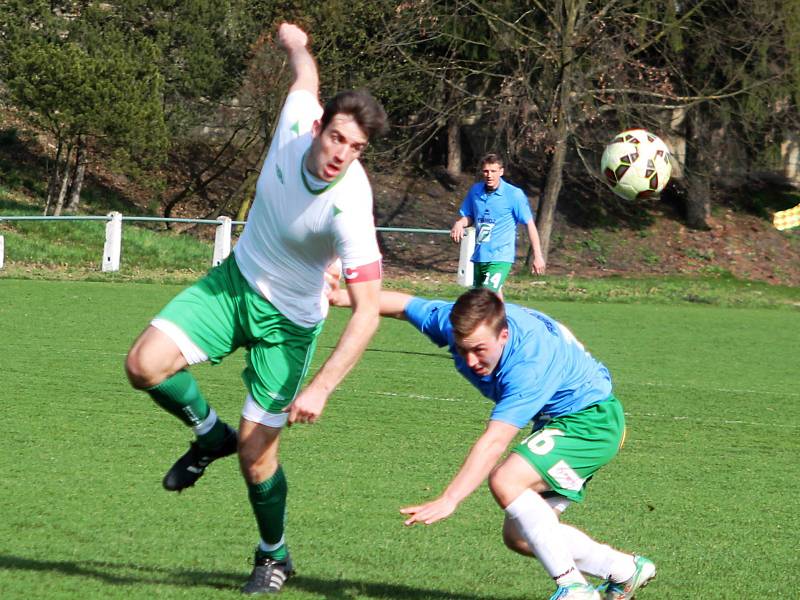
x=369 y=272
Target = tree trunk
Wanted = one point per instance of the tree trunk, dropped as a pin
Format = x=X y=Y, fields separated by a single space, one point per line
x=454 y=145
x=248 y=193
x=698 y=186
x=64 y=184
x=77 y=178
x=53 y=179
x=567 y=13
x=549 y=199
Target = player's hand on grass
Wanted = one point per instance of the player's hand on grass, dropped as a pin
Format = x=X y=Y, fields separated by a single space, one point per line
x=307 y=406
x=430 y=512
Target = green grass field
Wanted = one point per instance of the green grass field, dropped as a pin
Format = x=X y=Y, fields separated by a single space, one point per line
x=706 y=485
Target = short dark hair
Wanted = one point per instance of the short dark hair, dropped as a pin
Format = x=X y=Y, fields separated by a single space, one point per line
x=492 y=159
x=476 y=307
x=360 y=105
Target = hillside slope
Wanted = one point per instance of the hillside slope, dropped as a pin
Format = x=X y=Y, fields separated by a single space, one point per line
x=649 y=239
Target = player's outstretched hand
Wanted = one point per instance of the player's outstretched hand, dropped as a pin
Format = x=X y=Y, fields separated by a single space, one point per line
x=430 y=512
x=291 y=36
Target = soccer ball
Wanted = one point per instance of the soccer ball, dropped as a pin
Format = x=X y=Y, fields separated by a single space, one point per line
x=636 y=164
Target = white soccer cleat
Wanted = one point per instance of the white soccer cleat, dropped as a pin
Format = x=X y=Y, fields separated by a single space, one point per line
x=625 y=590
x=576 y=591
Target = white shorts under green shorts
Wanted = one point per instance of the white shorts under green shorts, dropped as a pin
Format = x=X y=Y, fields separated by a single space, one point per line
x=221 y=313
x=570 y=449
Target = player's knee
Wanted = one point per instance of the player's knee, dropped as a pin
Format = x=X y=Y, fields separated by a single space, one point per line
x=497 y=486
x=516 y=544
x=141 y=375
x=513 y=540
x=255 y=465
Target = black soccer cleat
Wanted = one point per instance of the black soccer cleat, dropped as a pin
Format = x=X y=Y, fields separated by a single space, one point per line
x=268 y=576
x=191 y=466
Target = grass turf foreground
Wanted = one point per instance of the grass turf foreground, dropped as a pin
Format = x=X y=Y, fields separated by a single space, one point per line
x=705 y=486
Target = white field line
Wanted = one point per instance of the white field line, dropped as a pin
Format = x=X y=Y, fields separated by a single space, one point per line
x=685 y=386
x=436 y=398
x=627 y=414
x=706 y=421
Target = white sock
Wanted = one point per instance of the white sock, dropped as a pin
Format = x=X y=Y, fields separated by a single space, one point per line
x=538 y=524
x=595 y=558
x=207 y=423
x=265 y=547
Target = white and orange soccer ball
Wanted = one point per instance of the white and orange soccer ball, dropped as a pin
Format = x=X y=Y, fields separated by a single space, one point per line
x=636 y=164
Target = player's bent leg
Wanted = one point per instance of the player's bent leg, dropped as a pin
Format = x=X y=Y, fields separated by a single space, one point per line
x=157 y=364
x=267 y=491
x=516 y=486
x=591 y=557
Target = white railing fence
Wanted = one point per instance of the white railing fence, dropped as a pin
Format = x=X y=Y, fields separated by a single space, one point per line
x=112 y=249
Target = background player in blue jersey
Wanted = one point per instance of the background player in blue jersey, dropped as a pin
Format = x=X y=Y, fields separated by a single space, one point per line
x=496 y=207
x=534 y=369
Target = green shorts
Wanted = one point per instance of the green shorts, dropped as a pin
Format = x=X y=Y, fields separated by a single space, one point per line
x=490 y=275
x=221 y=313
x=570 y=449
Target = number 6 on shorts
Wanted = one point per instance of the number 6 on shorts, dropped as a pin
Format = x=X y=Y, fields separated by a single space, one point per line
x=542 y=442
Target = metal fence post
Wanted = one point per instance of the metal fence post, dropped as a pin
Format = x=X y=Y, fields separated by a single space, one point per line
x=113 y=245
x=465 y=267
x=222 y=241
x=2 y=251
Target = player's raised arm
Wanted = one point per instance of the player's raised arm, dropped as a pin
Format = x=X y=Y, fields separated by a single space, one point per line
x=295 y=42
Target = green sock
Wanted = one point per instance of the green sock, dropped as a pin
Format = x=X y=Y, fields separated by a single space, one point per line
x=268 y=500
x=179 y=395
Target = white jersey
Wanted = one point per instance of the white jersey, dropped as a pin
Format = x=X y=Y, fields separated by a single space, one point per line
x=292 y=233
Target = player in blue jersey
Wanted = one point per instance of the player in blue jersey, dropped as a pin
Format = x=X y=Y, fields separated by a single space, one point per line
x=496 y=207
x=534 y=370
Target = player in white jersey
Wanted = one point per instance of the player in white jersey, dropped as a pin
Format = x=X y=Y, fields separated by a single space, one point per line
x=313 y=209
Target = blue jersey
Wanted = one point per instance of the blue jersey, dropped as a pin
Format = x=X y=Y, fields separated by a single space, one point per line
x=496 y=216
x=544 y=372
